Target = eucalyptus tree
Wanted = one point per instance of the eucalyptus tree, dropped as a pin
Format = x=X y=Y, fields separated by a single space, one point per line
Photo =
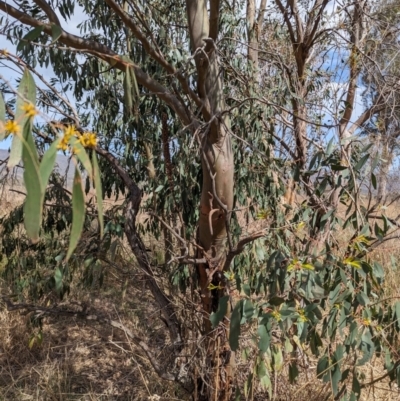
x=217 y=119
x=381 y=78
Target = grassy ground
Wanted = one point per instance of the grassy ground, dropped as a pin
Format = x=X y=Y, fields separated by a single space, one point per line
x=83 y=361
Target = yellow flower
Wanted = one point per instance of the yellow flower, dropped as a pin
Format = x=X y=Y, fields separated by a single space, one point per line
x=276 y=315
x=4 y=52
x=88 y=139
x=29 y=109
x=302 y=316
x=63 y=145
x=367 y=322
x=12 y=127
x=70 y=131
x=300 y=226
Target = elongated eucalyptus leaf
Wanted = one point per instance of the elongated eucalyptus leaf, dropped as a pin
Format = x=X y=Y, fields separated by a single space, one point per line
x=216 y=317
x=56 y=32
x=16 y=151
x=2 y=117
x=99 y=191
x=78 y=213
x=82 y=155
x=128 y=99
x=30 y=36
x=235 y=327
x=48 y=161
x=134 y=85
x=265 y=338
x=33 y=205
x=27 y=91
x=131 y=89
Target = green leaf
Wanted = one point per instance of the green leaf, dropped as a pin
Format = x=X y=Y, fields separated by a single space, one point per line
x=322 y=366
x=34 y=198
x=367 y=347
x=246 y=289
x=80 y=153
x=266 y=384
x=397 y=309
x=99 y=191
x=29 y=37
x=56 y=32
x=248 y=309
x=128 y=99
x=356 y=387
x=58 y=278
x=237 y=394
x=48 y=161
x=277 y=357
x=334 y=294
x=261 y=368
x=373 y=180
x=26 y=89
x=78 y=213
x=336 y=376
x=235 y=327
x=265 y=338
x=134 y=86
x=362 y=298
x=361 y=163
x=2 y=117
x=338 y=167
x=216 y=317
x=248 y=385
x=293 y=372
x=329 y=147
x=16 y=151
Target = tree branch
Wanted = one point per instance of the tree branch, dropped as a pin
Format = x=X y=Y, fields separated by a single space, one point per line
x=151 y=51
x=105 y=53
x=364 y=117
x=311 y=32
x=240 y=247
x=133 y=26
x=287 y=21
x=260 y=17
x=51 y=15
x=214 y=19
x=138 y=248
x=355 y=36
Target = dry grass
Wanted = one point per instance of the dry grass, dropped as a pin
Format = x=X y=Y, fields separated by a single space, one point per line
x=81 y=361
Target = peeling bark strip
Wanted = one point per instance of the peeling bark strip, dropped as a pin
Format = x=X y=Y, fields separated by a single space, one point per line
x=166 y=151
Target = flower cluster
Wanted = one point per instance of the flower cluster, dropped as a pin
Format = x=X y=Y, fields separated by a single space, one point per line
x=12 y=127
x=30 y=110
x=86 y=139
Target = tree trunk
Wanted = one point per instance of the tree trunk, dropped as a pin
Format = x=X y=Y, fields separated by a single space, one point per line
x=216 y=198
x=383 y=173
